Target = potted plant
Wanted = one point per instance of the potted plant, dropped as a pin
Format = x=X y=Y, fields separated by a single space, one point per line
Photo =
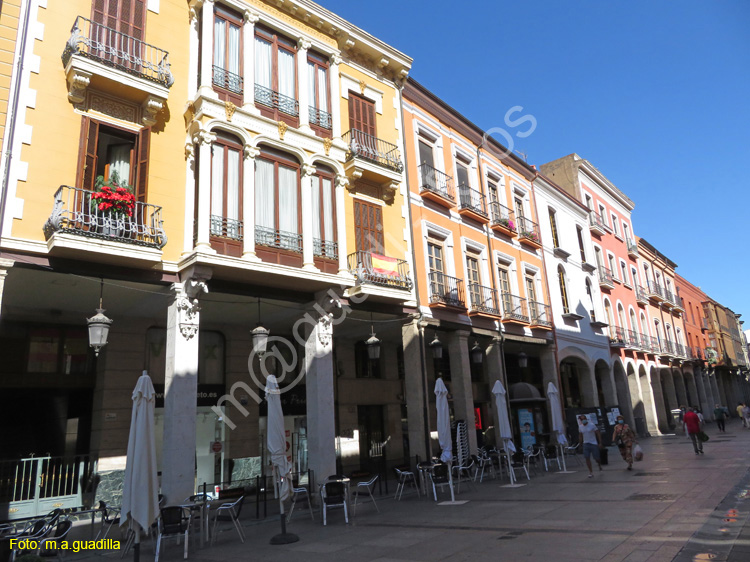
x=113 y=201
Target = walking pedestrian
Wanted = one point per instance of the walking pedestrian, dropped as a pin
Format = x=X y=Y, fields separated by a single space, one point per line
x=589 y=436
x=624 y=438
x=746 y=415
x=692 y=426
x=719 y=417
x=740 y=407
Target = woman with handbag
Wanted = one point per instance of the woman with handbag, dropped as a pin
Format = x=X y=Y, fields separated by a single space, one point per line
x=624 y=438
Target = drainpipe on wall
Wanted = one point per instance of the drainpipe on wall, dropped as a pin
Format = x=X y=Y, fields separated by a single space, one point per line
x=12 y=117
x=422 y=358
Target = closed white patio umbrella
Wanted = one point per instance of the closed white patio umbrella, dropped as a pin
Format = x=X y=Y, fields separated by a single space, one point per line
x=558 y=422
x=444 y=430
x=276 y=442
x=504 y=430
x=140 y=490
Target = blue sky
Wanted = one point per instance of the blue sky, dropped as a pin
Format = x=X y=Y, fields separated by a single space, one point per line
x=656 y=94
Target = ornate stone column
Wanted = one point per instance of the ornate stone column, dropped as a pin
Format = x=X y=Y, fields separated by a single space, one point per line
x=414 y=390
x=248 y=202
x=248 y=34
x=181 y=385
x=304 y=84
x=207 y=49
x=335 y=86
x=341 y=183
x=307 y=217
x=460 y=383
x=204 y=139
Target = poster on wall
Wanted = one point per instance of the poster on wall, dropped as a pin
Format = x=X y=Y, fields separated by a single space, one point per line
x=526 y=423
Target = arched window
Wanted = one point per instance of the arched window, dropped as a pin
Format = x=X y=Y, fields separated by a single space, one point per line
x=608 y=313
x=563 y=289
x=633 y=321
x=621 y=316
x=278 y=217
x=226 y=195
x=644 y=325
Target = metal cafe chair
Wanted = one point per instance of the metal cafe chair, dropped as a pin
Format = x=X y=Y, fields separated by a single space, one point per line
x=174 y=521
x=300 y=492
x=50 y=546
x=333 y=494
x=439 y=478
x=230 y=512
x=405 y=477
x=365 y=489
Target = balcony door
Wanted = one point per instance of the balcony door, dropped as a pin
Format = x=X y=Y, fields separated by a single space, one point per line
x=120 y=25
x=531 y=295
x=368 y=227
x=472 y=278
x=362 y=125
x=503 y=280
x=436 y=270
x=427 y=165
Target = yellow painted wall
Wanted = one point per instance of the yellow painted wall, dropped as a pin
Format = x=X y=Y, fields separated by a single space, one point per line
x=56 y=125
x=8 y=35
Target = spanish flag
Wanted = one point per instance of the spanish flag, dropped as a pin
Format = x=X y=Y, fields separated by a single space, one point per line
x=382 y=265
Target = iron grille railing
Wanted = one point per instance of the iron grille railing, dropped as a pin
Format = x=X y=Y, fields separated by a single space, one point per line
x=368 y=147
x=118 y=50
x=667 y=347
x=540 y=314
x=679 y=350
x=641 y=294
x=502 y=216
x=632 y=247
x=483 y=299
x=668 y=296
x=656 y=345
x=704 y=323
x=226 y=228
x=275 y=100
x=655 y=290
x=596 y=221
x=446 y=289
x=528 y=229
x=74 y=212
x=361 y=266
x=617 y=335
x=320 y=118
x=436 y=181
x=325 y=248
x=605 y=276
x=40 y=478
x=472 y=200
x=645 y=342
x=265 y=236
x=698 y=352
x=228 y=80
x=514 y=308
x=632 y=339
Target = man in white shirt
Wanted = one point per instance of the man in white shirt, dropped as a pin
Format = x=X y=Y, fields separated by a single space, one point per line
x=589 y=435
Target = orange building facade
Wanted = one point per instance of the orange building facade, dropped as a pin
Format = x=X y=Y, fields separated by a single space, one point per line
x=478 y=269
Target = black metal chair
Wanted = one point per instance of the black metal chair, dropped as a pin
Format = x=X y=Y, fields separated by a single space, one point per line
x=405 y=477
x=439 y=478
x=333 y=494
x=229 y=512
x=50 y=546
x=174 y=521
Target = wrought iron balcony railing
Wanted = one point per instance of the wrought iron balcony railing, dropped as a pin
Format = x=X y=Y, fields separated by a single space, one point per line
x=275 y=100
x=325 y=248
x=705 y=324
x=655 y=345
x=320 y=118
x=483 y=299
x=632 y=248
x=472 y=200
x=655 y=290
x=502 y=216
x=265 y=236
x=667 y=347
x=226 y=228
x=606 y=277
x=515 y=308
x=540 y=314
x=632 y=340
x=384 y=271
x=445 y=289
x=645 y=342
x=679 y=350
x=596 y=222
x=668 y=295
x=373 y=149
x=112 y=48
x=437 y=182
x=617 y=335
x=228 y=80
x=641 y=295
x=528 y=230
x=75 y=213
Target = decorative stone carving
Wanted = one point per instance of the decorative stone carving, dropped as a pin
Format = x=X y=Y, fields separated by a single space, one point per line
x=325 y=330
x=251 y=17
x=204 y=137
x=250 y=151
x=335 y=59
x=187 y=303
x=229 y=108
x=112 y=107
x=151 y=107
x=362 y=87
x=189 y=151
x=78 y=81
x=327 y=143
x=282 y=129
x=308 y=170
x=389 y=190
x=304 y=44
x=343 y=181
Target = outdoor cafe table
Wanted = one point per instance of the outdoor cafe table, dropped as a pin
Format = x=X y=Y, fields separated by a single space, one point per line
x=425 y=468
x=203 y=507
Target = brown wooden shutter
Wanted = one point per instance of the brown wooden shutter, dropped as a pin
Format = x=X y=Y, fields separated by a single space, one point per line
x=88 y=161
x=368 y=227
x=142 y=174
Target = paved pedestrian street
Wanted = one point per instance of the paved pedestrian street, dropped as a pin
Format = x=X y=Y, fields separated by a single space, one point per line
x=673 y=506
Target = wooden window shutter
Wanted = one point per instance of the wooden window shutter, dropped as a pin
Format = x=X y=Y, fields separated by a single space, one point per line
x=144 y=138
x=88 y=161
x=378 y=227
x=358 y=226
x=352 y=112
